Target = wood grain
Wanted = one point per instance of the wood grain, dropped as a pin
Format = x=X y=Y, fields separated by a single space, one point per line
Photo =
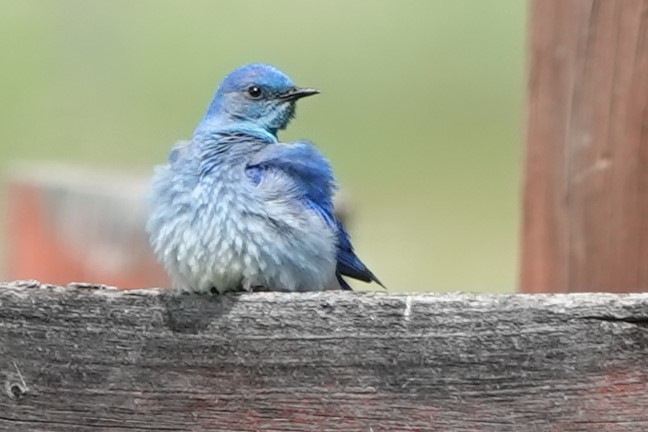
x=75 y=359
x=585 y=221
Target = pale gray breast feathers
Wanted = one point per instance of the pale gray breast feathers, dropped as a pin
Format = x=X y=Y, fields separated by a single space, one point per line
x=223 y=231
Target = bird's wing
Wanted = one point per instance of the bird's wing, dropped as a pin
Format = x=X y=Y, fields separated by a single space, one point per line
x=314 y=184
x=348 y=263
x=310 y=174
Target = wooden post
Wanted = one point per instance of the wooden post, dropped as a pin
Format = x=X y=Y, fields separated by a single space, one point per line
x=81 y=358
x=585 y=224
x=67 y=223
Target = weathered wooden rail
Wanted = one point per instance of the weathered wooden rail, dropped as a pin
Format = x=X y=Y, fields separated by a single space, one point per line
x=75 y=358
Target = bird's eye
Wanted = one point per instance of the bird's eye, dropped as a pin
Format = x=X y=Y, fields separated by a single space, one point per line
x=254 y=92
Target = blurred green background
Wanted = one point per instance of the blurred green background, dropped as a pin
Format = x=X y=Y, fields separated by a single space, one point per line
x=420 y=112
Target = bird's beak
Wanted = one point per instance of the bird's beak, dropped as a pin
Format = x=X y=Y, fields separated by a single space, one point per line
x=297 y=93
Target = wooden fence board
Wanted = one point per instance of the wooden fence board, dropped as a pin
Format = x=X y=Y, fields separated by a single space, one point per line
x=74 y=358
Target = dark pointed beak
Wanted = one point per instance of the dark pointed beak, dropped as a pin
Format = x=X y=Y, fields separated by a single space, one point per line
x=297 y=93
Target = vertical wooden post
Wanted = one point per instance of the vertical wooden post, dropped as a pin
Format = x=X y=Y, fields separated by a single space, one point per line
x=585 y=225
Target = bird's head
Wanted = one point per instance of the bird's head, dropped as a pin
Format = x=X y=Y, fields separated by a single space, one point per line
x=258 y=94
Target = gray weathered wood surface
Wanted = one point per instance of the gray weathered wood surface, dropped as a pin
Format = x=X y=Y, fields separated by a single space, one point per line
x=97 y=359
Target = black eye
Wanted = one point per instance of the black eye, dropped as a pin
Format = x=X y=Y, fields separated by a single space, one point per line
x=254 y=92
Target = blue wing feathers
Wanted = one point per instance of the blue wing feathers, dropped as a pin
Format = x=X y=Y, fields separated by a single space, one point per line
x=343 y=284
x=313 y=177
x=348 y=264
x=306 y=166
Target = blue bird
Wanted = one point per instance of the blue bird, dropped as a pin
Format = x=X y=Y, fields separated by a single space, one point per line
x=236 y=209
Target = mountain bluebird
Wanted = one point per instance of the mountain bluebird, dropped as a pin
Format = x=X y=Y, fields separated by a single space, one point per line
x=235 y=209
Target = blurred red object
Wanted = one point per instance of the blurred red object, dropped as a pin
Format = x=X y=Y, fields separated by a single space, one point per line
x=65 y=224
